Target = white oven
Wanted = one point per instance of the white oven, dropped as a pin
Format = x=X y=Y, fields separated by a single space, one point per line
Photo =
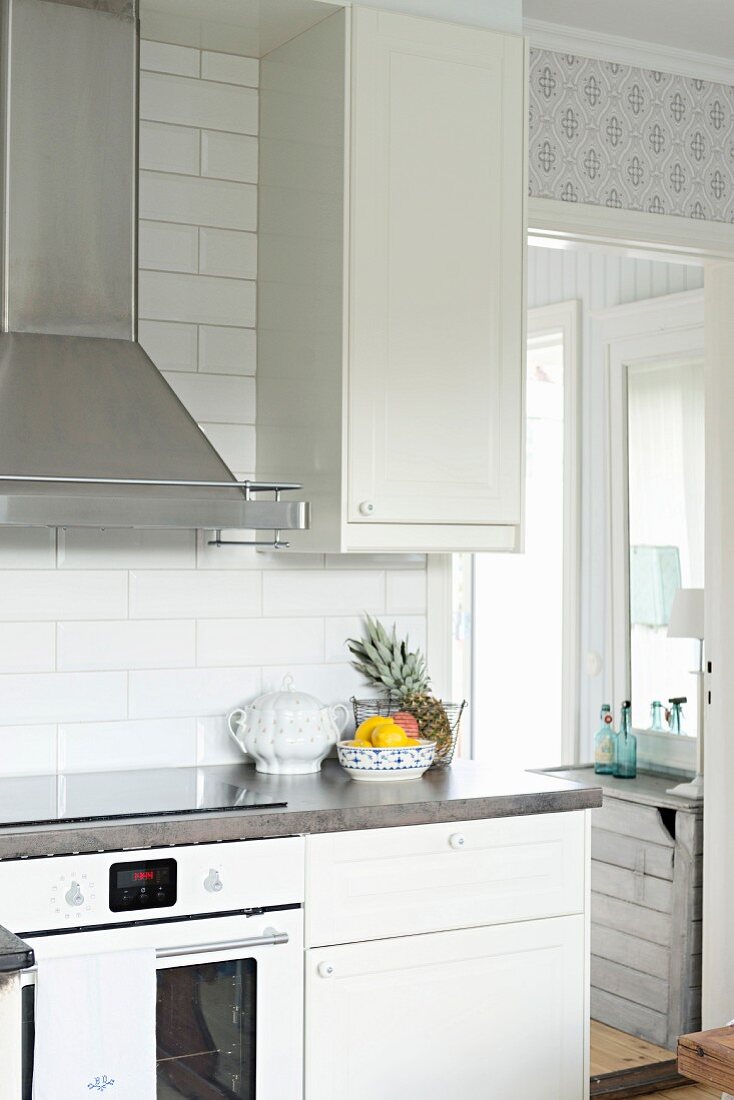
x=226 y=923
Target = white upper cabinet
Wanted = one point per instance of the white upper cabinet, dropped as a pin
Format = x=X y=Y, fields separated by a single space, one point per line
x=391 y=309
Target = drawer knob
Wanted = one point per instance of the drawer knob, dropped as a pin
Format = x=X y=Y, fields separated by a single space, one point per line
x=366 y=508
x=326 y=970
x=457 y=840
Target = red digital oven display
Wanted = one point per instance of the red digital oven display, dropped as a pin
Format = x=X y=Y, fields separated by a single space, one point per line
x=144 y=884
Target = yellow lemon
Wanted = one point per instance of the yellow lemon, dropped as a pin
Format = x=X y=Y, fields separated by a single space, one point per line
x=364 y=730
x=390 y=737
x=361 y=743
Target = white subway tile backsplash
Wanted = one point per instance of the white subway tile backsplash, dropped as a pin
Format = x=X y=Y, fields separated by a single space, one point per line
x=234 y=442
x=230 y=69
x=299 y=592
x=229 y=156
x=338 y=629
x=139 y=642
x=173 y=25
x=27 y=647
x=192 y=594
x=223 y=204
x=27 y=548
x=88 y=647
x=375 y=561
x=188 y=102
x=214 y=743
x=169 y=148
x=216 y=398
x=44 y=595
x=160 y=57
x=164 y=246
x=27 y=750
x=227 y=350
x=406 y=592
x=62 y=696
x=128 y=548
x=228 y=252
x=259 y=641
x=193 y=691
x=202 y=298
x=108 y=746
x=329 y=683
x=171 y=345
x=247 y=557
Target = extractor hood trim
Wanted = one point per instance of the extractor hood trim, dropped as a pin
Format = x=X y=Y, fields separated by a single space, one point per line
x=91 y=434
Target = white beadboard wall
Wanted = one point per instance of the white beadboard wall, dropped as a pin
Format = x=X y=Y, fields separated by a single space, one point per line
x=599 y=280
x=125 y=649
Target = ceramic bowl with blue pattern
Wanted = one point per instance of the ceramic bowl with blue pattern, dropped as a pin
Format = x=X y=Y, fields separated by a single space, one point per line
x=384 y=764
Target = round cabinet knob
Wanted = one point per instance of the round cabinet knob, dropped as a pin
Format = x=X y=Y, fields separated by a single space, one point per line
x=212 y=883
x=73 y=895
x=326 y=970
x=457 y=840
x=366 y=508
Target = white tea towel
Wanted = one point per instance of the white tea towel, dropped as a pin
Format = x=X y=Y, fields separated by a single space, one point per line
x=95 y=1027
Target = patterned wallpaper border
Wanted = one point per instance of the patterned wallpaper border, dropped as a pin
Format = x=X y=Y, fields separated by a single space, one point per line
x=629 y=138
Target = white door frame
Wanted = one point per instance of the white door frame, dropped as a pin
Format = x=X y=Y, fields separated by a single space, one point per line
x=565 y=317
x=659 y=236
x=667 y=327
x=670 y=326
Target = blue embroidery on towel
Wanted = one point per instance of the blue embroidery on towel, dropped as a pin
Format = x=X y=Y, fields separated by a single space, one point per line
x=99 y=1084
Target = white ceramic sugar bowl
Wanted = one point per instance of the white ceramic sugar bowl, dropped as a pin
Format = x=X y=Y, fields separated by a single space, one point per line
x=287 y=732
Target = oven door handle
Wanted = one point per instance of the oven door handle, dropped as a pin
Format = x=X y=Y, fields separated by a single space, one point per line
x=269 y=938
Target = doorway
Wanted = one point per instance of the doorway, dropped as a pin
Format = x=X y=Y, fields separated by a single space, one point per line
x=547 y=633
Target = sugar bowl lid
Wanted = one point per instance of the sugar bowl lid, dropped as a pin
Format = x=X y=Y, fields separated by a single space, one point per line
x=287 y=699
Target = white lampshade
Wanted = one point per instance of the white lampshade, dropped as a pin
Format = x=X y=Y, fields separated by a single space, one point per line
x=686 y=614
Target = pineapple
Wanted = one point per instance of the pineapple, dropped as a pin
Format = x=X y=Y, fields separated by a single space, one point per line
x=388 y=662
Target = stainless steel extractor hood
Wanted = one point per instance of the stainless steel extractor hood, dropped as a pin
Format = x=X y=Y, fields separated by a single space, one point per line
x=91 y=434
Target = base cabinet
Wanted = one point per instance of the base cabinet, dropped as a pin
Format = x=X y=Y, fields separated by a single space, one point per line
x=477 y=1013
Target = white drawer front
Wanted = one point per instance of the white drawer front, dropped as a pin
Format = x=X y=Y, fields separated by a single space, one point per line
x=427 y=878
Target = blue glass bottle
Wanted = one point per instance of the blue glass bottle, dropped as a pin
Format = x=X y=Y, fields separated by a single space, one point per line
x=625 y=746
x=604 y=743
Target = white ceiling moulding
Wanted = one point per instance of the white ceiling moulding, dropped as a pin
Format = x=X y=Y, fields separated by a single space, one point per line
x=552 y=222
x=628 y=51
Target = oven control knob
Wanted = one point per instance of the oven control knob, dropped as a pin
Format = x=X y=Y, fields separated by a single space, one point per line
x=212 y=883
x=73 y=895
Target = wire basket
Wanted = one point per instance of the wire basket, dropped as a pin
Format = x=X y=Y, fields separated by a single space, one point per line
x=388 y=704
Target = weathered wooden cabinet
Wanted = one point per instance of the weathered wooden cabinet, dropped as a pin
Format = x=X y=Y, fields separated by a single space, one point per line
x=646 y=885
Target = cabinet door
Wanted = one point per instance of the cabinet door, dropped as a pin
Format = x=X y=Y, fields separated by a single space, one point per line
x=480 y=1014
x=436 y=273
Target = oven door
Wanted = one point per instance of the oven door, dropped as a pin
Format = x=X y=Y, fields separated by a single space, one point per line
x=229 y=1014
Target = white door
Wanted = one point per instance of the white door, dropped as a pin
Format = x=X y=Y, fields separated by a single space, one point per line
x=436 y=272
x=478 y=1014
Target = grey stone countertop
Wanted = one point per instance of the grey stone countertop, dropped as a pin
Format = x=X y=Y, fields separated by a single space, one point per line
x=647 y=788
x=327 y=802
x=14 y=953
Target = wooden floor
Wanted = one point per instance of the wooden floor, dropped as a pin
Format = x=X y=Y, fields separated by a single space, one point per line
x=612 y=1050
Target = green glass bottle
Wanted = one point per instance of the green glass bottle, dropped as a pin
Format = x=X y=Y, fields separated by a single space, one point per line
x=625 y=746
x=604 y=743
x=656 y=717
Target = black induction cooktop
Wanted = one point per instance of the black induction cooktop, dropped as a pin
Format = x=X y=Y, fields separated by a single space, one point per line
x=111 y=796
